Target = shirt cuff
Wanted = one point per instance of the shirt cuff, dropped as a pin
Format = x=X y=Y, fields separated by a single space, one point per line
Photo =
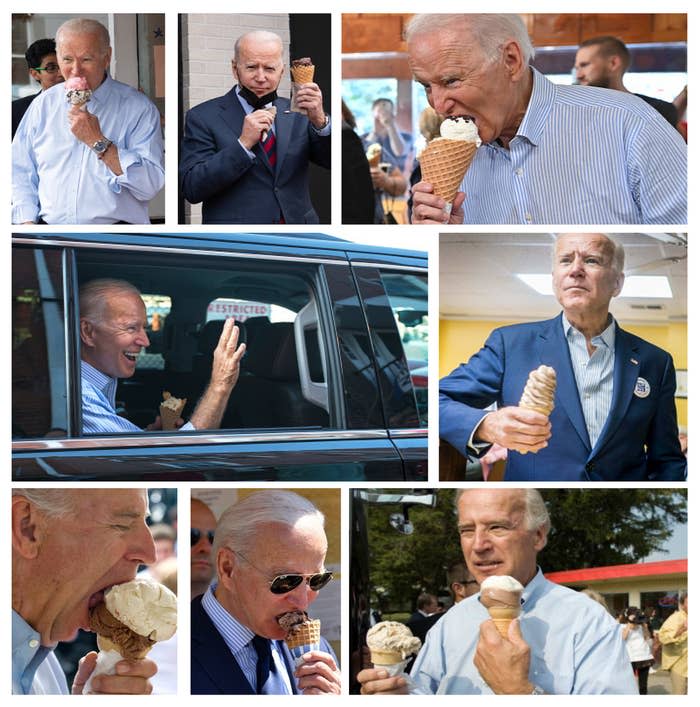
x=325 y=130
x=246 y=150
x=23 y=214
x=477 y=448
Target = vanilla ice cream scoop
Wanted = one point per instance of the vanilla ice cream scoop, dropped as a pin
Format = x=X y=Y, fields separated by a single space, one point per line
x=460 y=128
x=146 y=607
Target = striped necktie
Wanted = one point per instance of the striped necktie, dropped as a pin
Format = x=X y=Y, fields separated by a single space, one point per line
x=270 y=147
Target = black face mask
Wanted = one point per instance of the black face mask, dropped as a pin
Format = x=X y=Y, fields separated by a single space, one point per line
x=253 y=101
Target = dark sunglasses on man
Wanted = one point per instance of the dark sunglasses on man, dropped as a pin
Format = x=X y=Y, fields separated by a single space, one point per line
x=285 y=583
x=196 y=535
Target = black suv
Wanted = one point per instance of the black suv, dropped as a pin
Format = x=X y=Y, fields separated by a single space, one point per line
x=333 y=384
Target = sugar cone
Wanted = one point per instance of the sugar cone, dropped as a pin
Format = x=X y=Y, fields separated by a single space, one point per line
x=168 y=415
x=380 y=657
x=303 y=74
x=307 y=633
x=502 y=616
x=444 y=163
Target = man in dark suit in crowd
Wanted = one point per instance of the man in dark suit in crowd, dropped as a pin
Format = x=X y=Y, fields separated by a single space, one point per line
x=43 y=67
x=614 y=416
x=246 y=163
x=603 y=61
x=270 y=550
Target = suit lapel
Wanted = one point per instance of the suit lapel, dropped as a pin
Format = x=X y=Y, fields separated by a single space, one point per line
x=214 y=655
x=625 y=374
x=553 y=350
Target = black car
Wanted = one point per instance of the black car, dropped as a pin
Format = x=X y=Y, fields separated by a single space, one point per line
x=333 y=385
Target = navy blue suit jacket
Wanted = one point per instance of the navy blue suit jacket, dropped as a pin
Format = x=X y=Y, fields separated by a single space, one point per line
x=214 y=671
x=216 y=170
x=639 y=441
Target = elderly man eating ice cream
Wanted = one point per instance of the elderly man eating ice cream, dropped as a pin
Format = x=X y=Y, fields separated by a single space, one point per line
x=69 y=547
x=562 y=643
x=250 y=630
x=112 y=334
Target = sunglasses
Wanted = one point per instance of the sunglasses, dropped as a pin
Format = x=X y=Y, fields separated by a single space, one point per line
x=196 y=535
x=49 y=68
x=285 y=583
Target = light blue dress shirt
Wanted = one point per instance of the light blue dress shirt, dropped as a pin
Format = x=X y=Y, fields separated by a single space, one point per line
x=59 y=179
x=239 y=639
x=99 y=407
x=582 y=155
x=35 y=668
x=576 y=647
x=593 y=374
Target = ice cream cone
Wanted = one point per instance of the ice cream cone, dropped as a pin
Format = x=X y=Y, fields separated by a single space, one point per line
x=106 y=644
x=502 y=616
x=539 y=390
x=307 y=633
x=303 y=74
x=380 y=657
x=170 y=410
x=444 y=163
x=374 y=154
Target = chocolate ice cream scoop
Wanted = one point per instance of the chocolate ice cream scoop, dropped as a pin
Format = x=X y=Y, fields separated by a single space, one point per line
x=289 y=620
x=304 y=61
x=129 y=643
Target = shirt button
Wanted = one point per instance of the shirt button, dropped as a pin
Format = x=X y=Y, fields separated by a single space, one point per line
x=33 y=643
x=519 y=172
x=528 y=218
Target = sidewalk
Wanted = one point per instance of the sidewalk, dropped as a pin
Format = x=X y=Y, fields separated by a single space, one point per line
x=659 y=683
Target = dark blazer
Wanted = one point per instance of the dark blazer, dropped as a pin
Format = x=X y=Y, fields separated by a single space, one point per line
x=216 y=170
x=639 y=441
x=19 y=108
x=214 y=671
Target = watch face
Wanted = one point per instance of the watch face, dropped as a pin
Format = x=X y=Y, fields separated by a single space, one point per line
x=100 y=146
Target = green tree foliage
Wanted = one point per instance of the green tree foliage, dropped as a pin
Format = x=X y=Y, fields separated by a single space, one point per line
x=590 y=528
x=599 y=527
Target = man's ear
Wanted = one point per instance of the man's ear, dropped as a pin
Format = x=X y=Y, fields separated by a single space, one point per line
x=35 y=75
x=87 y=332
x=513 y=60
x=225 y=566
x=27 y=528
x=619 y=284
x=234 y=69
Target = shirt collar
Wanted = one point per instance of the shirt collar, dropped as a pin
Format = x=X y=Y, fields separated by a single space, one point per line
x=605 y=338
x=27 y=652
x=234 y=633
x=538 y=109
x=102 y=92
x=100 y=380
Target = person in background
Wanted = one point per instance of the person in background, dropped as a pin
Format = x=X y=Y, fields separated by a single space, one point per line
x=43 y=68
x=202 y=527
x=603 y=61
x=673 y=636
x=461 y=582
x=635 y=633
x=357 y=187
x=395 y=143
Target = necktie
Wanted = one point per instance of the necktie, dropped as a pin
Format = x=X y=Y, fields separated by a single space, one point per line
x=269 y=682
x=270 y=147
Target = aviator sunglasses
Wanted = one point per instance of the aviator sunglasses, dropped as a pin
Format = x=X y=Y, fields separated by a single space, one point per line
x=284 y=583
x=196 y=534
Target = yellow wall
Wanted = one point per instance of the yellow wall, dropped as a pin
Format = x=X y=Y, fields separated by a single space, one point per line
x=460 y=339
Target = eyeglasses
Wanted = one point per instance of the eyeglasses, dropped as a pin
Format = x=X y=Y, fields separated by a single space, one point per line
x=49 y=68
x=285 y=583
x=196 y=535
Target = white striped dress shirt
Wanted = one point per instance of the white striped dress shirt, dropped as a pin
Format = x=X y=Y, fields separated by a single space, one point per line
x=582 y=155
x=594 y=374
x=239 y=640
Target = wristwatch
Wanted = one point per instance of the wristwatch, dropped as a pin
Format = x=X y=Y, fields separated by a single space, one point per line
x=100 y=147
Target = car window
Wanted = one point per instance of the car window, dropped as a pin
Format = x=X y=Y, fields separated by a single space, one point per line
x=283 y=381
x=39 y=407
x=408 y=296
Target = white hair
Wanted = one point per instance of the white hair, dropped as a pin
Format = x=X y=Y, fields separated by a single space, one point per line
x=82 y=25
x=536 y=514
x=53 y=503
x=490 y=31
x=237 y=528
x=94 y=296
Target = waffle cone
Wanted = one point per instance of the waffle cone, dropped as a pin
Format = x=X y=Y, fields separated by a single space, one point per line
x=307 y=633
x=303 y=74
x=444 y=163
x=380 y=657
x=168 y=416
x=374 y=161
x=106 y=644
x=502 y=617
